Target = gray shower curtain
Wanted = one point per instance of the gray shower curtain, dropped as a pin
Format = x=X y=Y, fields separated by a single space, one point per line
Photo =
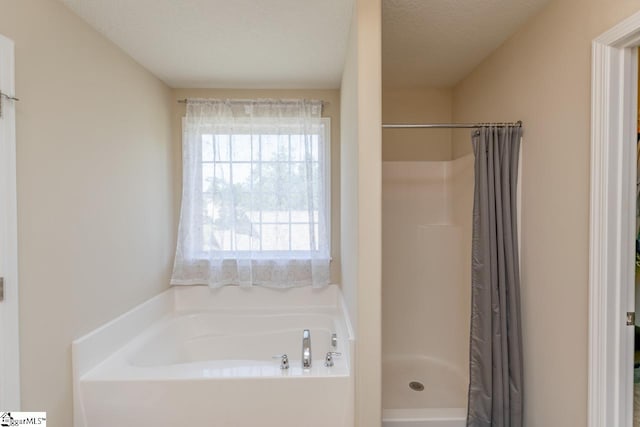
x=495 y=380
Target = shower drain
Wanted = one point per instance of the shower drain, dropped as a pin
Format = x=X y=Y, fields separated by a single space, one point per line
x=416 y=386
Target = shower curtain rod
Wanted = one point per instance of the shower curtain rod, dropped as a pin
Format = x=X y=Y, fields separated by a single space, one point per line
x=448 y=125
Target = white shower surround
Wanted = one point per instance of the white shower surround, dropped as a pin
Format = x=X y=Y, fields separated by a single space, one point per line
x=427 y=221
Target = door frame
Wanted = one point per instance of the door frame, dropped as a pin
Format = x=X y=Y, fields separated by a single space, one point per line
x=612 y=223
x=9 y=327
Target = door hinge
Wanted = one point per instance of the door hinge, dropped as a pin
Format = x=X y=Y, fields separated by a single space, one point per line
x=631 y=318
x=1 y=288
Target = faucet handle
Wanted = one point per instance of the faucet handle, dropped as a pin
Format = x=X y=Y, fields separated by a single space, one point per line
x=328 y=360
x=334 y=340
x=284 y=360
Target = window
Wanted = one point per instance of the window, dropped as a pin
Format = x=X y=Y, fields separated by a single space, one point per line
x=255 y=206
x=264 y=177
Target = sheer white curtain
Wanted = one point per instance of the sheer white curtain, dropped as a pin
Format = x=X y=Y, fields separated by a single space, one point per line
x=254 y=196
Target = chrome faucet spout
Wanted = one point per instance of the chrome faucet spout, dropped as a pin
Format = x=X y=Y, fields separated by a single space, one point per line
x=306 y=349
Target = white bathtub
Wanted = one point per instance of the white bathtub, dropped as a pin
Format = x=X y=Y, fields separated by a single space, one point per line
x=195 y=356
x=442 y=403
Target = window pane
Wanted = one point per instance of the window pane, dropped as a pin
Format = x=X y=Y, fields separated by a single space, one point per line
x=222 y=173
x=208 y=207
x=282 y=199
x=221 y=148
x=275 y=214
x=245 y=232
x=241 y=175
x=299 y=177
x=222 y=239
x=243 y=242
x=275 y=237
x=207 y=237
x=274 y=177
x=300 y=237
x=283 y=148
x=297 y=202
x=254 y=213
x=241 y=148
x=269 y=147
x=300 y=215
x=207 y=177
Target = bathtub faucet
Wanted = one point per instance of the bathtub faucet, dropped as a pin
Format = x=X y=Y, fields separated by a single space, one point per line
x=306 y=349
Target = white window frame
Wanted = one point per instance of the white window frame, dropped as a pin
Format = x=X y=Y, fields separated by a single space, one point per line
x=326 y=127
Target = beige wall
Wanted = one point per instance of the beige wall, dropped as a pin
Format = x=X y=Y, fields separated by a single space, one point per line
x=94 y=174
x=416 y=106
x=361 y=200
x=349 y=165
x=332 y=110
x=541 y=75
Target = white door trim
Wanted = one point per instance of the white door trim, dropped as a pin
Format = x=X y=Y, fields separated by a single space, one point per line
x=9 y=338
x=612 y=224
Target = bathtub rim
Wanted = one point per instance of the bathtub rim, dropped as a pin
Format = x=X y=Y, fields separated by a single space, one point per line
x=123 y=364
x=94 y=347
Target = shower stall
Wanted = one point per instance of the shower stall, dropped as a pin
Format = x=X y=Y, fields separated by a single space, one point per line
x=426 y=275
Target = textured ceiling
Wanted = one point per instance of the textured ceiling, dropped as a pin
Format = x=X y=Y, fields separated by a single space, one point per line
x=438 y=42
x=228 y=43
